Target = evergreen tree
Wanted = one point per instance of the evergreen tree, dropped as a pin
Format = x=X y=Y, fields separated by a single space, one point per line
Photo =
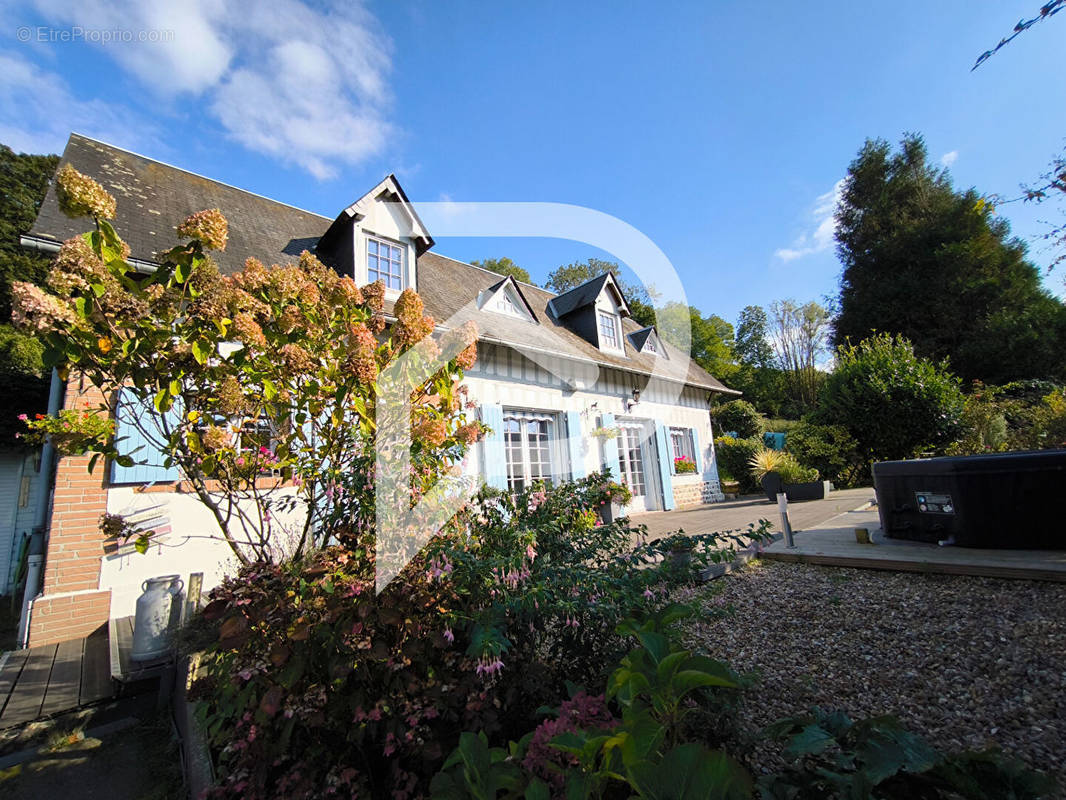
x=934 y=265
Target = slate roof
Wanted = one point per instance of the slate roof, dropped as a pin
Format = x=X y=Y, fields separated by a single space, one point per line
x=154 y=197
x=579 y=296
x=449 y=289
x=639 y=337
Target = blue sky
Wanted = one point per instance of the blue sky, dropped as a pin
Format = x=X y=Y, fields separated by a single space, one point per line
x=717 y=129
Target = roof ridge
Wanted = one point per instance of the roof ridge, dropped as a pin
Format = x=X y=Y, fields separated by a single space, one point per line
x=198 y=175
x=491 y=272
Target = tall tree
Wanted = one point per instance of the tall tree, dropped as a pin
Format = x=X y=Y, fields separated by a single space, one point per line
x=566 y=277
x=23 y=184
x=752 y=346
x=504 y=266
x=799 y=334
x=756 y=372
x=936 y=266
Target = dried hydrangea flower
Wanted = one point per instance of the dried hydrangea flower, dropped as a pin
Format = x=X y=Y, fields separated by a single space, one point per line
x=207 y=226
x=34 y=309
x=411 y=324
x=216 y=438
x=81 y=196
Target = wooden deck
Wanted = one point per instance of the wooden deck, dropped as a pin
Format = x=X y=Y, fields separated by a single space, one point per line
x=833 y=544
x=48 y=680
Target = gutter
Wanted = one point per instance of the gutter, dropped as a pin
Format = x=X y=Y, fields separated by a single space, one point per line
x=51 y=247
x=38 y=539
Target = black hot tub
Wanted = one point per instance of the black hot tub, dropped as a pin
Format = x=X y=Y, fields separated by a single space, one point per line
x=1004 y=500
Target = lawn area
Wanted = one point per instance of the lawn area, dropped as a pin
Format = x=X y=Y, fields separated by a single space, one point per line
x=968 y=662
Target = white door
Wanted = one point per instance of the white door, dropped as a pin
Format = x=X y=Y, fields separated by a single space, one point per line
x=631 y=459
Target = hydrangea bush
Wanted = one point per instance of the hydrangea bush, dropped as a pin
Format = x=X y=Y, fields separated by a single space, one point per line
x=265 y=382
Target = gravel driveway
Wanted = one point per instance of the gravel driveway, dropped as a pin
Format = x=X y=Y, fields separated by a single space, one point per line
x=967 y=662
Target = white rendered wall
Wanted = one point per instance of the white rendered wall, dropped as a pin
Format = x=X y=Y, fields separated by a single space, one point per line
x=194 y=544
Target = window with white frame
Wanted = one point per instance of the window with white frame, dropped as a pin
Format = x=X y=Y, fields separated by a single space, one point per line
x=529 y=439
x=384 y=262
x=682 y=443
x=609 y=335
x=650 y=346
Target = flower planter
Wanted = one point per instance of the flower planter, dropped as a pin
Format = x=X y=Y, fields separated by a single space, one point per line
x=802 y=492
x=610 y=512
x=795 y=492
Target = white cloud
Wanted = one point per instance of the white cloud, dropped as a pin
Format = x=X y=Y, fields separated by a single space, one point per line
x=38 y=111
x=304 y=85
x=949 y=158
x=820 y=237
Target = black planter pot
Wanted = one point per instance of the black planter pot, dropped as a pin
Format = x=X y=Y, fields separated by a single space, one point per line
x=802 y=492
x=795 y=492
x=773 y=485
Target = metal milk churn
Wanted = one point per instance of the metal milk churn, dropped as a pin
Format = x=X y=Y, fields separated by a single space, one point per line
x=156 y=617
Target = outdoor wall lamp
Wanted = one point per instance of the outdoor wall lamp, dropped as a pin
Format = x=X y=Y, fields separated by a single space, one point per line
x=634 y=401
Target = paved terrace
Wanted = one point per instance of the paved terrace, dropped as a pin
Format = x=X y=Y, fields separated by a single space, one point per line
x=738 y=514
x=825 y=534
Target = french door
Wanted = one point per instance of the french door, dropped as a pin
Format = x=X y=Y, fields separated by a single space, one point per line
x=528 y=440
x=631 y=452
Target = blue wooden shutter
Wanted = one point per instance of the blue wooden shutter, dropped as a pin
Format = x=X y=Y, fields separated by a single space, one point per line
x=149 y=459
x=573 y=438
x=610 y=448
x=493 y=451
x=662 y=438
x=697 y=450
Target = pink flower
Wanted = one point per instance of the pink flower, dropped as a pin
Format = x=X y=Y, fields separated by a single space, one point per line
x=648 y=593
x=449 y=635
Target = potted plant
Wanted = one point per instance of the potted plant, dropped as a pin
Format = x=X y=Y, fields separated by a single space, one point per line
x=778 y=471
x=680 y=548
x=801 y=483
x=612 y=497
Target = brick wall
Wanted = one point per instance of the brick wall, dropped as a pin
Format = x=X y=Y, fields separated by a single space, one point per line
x=60 y=617
x=73 y=604
x=687 y=495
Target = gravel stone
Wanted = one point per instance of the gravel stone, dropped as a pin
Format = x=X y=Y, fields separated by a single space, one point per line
x=968 y=662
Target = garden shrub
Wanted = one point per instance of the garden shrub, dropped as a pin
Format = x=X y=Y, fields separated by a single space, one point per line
x=640 y=746
x=739 y=417
x=830 y=449
x=313 y=686
x=734 y=456
x=895 y=404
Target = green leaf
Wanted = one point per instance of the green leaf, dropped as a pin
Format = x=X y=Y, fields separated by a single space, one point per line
x=270 y=391
x=163 y=401
x=810 y=741
x=175 y=387
x=691 y=772
x=182 y=271
x=201 y=350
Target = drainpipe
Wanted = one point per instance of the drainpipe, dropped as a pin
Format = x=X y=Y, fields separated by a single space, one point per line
x=35 y=563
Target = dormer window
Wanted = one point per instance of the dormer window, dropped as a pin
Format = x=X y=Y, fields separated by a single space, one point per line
x=649 y=346
x=384 y=262
x=610 y=337
x=505 y=305
x=506 y=298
